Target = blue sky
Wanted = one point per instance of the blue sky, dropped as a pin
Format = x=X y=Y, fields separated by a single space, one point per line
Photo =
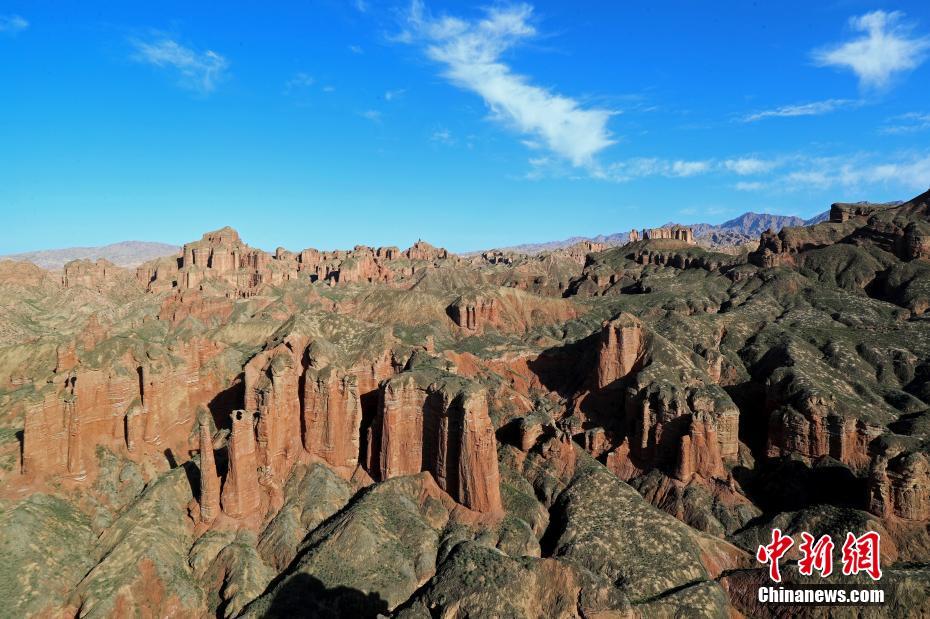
x=327 y=123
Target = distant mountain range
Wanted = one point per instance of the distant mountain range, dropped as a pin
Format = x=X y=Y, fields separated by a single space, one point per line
x=124 y=254
x=747 y=227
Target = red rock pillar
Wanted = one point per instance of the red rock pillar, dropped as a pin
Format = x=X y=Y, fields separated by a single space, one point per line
x=401 y=428
x=332 y=416
x=478 y=475
x=620 y=348
x=75 y=459
x=209 y=481
x=240 y=495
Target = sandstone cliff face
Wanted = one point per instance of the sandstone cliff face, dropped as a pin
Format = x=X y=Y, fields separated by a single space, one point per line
x=813 y=425
x=472 y=313
x=699 y=450
x=443 y=430
x=675 y=233
x=899 y=486
x=137 y=406
x=96 y=275
x=332 y=417
x=241 y=496
x=621 y=347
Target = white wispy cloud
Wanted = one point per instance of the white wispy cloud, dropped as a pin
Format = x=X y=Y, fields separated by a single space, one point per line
x=885 y=48
x=356 y=49
x=442 y=136
x=372 y=115
x=911 y=122
x=814 y=108
x=299 y=81
x=745 y=166
x=390 y=95
x=200 y=71
x=470 y=53
x=643 y=167
x=12 y=24
x=908 y=171
x=361 y=6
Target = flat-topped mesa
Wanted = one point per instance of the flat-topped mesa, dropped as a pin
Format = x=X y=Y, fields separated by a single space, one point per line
x=841 y=212
x=96 y=275
x=674 y=233
x=474 y=312
x=421 y=250
x=443 y=428
x=241 y=495
x=621 y=348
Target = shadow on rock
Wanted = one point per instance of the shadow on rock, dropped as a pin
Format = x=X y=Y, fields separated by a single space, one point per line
x=302 y=595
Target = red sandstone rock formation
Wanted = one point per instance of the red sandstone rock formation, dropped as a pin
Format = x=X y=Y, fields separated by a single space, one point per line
x=621 y=347
x=675 y=233
x=472 y=313
x=97 y=275
x=812 y=429
x=332 y=417
x=699 y=451
x=209 y=481
x=125 y=405
x=900 y=486
x=445 y=432
x=241 y=496
x=421 y=250
x=65 y=358
x=634 y=236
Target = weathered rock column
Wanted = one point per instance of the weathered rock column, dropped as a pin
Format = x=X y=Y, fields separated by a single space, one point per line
x=209 y=481
x=240 y=495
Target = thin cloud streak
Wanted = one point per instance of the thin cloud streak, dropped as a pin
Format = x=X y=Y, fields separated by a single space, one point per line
x=200 y=71
x=12 y=24
x=814 y=108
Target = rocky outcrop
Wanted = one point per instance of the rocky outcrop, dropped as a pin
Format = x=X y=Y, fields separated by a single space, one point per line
x=96 y=275
x=209 y=481
x=441 y=427
x=841 y=212
x=916 y=241
x=421 y=250
x=699 y=450
x=471 y=313
x=621 y=347
x=241 y=496
x=138 y=406
x=224 y=264
x=675 y=233
x=899 y=486
x=332 y=417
